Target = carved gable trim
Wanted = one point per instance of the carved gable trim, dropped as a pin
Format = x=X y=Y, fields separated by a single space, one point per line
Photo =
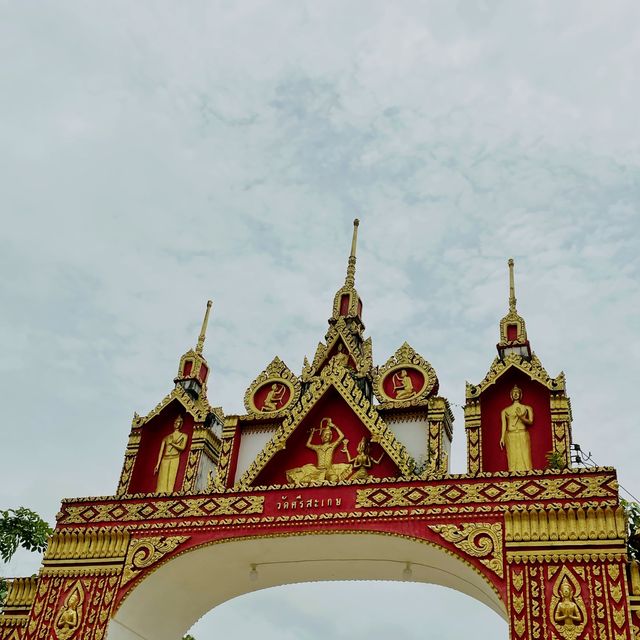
x=198 y=409
x=340 y=379
x=532 y=368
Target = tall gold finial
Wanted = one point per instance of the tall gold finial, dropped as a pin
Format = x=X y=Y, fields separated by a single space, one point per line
x=512 y=287
x=350 y=280
x=203 y=331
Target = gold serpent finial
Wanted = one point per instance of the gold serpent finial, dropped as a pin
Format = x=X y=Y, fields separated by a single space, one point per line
x=350 y=280
x=512 y=287
x=203 y=331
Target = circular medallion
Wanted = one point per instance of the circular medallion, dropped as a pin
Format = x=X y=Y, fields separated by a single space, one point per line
x=271 y=396
x=404 y=382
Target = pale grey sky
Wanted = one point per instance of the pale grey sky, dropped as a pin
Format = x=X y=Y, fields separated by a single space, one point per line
x=157 y=154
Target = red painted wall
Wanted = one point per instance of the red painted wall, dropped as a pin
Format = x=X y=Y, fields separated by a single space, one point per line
x=143 y=479
x=494 y=400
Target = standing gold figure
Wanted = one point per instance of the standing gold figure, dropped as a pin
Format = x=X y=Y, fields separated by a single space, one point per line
x=275 y=395
x=169 y=458
x=402 y=385
x=68 y=619
x=515 y=420
x=362 y=461
x=325 y=470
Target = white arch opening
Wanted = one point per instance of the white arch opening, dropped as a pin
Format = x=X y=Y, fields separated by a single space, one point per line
x=178 y=593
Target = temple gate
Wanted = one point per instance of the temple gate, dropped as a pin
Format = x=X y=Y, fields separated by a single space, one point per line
x=342 y=472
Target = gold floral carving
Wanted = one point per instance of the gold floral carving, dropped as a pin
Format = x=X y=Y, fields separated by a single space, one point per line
x=567 y=612
x=337 y=377
x=147 y=551
x=404 y=357
x=276 y=372
x=69 y=617
x=481 y=540
x=205 y=506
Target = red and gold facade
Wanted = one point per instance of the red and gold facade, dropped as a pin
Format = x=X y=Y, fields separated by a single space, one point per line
x=350 y=447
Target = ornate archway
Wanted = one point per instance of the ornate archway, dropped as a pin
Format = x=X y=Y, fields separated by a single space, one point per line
x=342 y=472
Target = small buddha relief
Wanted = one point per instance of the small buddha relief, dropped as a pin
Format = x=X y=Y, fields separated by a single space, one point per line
x=516 y=420
x=340 y=357
x=568 y=611
x=168 y=462
x=70 y=615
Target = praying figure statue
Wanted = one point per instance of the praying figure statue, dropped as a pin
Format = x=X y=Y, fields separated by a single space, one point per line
x=275 y=395
x=169 y=458
x=325 y=470
x=569 y=613
x=402 y=385
x=68 y=619
x=516 y=419
x=362 y=461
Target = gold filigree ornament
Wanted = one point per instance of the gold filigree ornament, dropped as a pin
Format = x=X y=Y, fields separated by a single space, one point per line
x=147 y=551
x=404 y=358
x=482 y=540
x=567 y=612
x=69 y=617
x=277 y=373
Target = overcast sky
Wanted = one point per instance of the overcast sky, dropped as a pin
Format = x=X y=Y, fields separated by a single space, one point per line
x=157 y=154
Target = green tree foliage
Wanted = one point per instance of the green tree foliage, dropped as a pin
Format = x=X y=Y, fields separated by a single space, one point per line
x=632 y=509
x=188 y=637
x=20 y=528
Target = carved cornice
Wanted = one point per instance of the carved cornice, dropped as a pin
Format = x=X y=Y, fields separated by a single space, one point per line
x=531 y=367
x=276 y=371
x=92 y=544
x=339 y=378
x=405 y=356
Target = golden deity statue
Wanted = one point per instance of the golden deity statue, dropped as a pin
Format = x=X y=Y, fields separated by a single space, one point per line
x=402 y=385
x=169 y=458
x=362 y=461
x=275 y=395
x=68 y=619
x=341 y=358
x=516 y=418
x=325 y=470
x=569 y=613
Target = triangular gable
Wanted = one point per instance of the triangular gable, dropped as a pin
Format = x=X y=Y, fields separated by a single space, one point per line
x=338 y=332
x=337 y=378
x=197 y=409
x=532 y=368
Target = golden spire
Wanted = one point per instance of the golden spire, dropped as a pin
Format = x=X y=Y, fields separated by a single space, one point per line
x=350 y=280
x=512 y=287
x=203 y=331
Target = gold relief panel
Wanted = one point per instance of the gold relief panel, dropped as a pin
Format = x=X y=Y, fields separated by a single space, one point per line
x=405 y=379
x=567 y=610
x=273 y=391
x=145 y=552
